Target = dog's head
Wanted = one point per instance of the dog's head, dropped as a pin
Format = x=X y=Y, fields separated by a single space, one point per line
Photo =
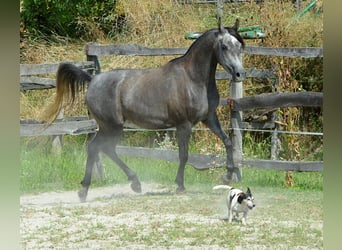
x=247 y=199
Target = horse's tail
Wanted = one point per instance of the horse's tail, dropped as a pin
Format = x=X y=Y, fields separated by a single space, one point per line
x=70 y=80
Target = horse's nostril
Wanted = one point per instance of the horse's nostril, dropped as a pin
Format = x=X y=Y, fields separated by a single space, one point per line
x=240 y=74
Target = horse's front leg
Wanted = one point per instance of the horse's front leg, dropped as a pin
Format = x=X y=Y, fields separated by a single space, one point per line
x=183 y=137
x=214 y=125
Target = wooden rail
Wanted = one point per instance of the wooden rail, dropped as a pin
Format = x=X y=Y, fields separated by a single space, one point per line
x=277 y=100
x=138 y=50
x=67 y=126
x=29 y=79
x=94 y=51
x=204 y=162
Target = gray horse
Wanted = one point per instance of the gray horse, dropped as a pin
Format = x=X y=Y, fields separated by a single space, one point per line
x=178 y=94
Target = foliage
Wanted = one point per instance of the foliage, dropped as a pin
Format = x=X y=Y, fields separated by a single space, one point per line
x=71 y=18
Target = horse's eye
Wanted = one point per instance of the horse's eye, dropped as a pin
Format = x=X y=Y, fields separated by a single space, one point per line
x=224 y=47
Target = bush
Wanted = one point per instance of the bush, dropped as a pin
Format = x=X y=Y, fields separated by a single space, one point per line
x=71 y=18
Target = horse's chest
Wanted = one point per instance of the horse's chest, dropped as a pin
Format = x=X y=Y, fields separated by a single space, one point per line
x=198 y=105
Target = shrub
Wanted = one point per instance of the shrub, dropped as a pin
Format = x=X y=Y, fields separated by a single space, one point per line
x=71 y=18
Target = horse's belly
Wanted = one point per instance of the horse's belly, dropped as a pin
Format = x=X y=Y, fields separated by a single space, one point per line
x=148 y=124
x=164 y=111
x=149 y=119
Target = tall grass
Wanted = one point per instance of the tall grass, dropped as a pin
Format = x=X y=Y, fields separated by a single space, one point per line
x=42 y=170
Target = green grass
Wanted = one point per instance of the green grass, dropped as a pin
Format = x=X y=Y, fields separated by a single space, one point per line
x=42 y=170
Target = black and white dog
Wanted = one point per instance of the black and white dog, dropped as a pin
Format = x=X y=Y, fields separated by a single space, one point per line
x=238 y=202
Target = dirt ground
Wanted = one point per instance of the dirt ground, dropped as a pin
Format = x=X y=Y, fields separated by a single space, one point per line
x=117 y=218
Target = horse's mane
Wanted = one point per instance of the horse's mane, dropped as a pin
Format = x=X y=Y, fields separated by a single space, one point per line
x=231 y=31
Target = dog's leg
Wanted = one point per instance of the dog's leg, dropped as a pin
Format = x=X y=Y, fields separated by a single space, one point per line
x=230 y=216
x=229 y=207
x=244 y=217
x=236 y=216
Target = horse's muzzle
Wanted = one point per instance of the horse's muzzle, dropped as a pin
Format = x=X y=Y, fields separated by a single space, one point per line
x=239 y=75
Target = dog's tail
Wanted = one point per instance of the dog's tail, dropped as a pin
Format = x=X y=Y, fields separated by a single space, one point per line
x=222 y=187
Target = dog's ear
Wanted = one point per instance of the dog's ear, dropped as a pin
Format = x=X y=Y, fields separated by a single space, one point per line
x=241 y=197
x=248 y=191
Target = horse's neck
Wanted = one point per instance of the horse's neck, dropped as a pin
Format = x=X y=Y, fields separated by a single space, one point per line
x=202 y=65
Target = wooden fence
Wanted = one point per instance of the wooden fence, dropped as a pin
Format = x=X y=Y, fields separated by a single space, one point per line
x=82 y=125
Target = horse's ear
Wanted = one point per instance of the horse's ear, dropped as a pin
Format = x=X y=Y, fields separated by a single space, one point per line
x=236 y=25
x=220 y=26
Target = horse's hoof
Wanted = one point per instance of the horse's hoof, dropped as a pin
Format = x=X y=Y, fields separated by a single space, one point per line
x=82 y=194
x=180 y=190
x=136 y=186
x=225 y=179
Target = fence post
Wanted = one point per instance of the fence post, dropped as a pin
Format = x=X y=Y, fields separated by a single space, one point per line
x=298 y=4
x=94 y=59
x=275 y=142
x=236 y=125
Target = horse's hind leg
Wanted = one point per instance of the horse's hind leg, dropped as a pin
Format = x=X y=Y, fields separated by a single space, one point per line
x=109 y=149
x=214 y=125
x=98 y=167
x=93 y=148
x=183 y=137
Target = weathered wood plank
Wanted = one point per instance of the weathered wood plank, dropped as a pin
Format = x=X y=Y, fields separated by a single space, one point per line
x=49 y=68
x=29 y=83
x=277 y=100
x=58 y=128
x=297 y=166
x=251 y=73
x=308 y=52
x=204 y=162
x=82 y=125
x=258 y=125
x=131 y=49
x=138 y=50
x=198 y=161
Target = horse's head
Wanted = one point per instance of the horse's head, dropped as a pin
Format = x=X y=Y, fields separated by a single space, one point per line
x=228 y=51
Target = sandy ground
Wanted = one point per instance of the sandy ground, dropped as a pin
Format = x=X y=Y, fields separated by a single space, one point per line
x=70 y=197
x=117 y=218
